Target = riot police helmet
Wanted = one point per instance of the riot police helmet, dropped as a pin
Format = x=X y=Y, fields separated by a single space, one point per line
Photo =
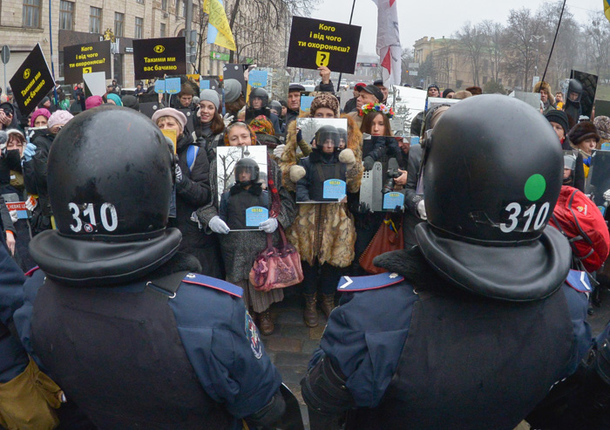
x=575 y=90
x=261 y=94
x=327 y=133
x=247 y=170
x=492 y=175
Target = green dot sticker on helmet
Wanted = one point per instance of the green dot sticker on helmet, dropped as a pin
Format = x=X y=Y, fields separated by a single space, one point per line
x=535 y=186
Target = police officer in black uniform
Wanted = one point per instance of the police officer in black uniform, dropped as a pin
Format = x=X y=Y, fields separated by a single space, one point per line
x=470 y=328
x=123 y=322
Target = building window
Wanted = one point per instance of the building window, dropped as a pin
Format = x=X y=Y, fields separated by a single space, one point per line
x=162 y=32
x=95 y=20
x=119 y=20
x=139 y=26
x=31 y=13
x=66 y=15
x=140 y=1
x=164 y=4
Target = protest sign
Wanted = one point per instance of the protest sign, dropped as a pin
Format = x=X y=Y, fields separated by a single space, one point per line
x=157 y=57
x=32 y=81
x=87 y=58
x=96 y=83
x=589 y=88
x=315 y=43
x=257 y=78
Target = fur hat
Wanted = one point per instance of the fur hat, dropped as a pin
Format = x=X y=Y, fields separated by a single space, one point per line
x=544 y=86
x=475 y=91
x=602 y=123
x=232 y=90
x=560 y=117
x=581 y=131
x=326 y=100
x=174 y=113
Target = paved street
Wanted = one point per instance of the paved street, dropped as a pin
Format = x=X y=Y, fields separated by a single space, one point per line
x=292 y=344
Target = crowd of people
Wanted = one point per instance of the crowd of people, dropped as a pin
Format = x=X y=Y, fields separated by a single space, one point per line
x=95 y=176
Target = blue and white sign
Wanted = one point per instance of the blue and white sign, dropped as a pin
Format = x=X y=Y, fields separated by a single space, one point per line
x=334 y=189
x=172 y=85
x=393 y=200
x=306 y=103
x=258 y=78
x=204 y=84
x=255 y=215
x=160 y=86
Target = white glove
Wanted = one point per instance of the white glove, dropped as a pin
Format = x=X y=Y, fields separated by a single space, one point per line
x=195 y=218
x=268 y=226
x=31 y=203
x=228 y=119
x=279 y=151
x=421 y=210
x=607 y=196
x=217 y=225
x=14 y=216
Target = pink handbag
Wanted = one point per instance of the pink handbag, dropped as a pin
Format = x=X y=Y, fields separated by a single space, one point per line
x=276 y=267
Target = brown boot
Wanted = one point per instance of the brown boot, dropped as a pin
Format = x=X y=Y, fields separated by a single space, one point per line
x=310 y=313
x=265 y=323
x=328 y=303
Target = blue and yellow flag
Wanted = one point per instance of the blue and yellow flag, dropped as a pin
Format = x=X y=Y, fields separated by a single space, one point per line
x=219 y=31
x=607 y=9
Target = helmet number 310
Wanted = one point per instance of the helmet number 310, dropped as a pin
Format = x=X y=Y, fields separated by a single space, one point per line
x=514 y=209
x=87 y=219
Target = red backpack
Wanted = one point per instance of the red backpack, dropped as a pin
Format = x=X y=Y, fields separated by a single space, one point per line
x=579 y=219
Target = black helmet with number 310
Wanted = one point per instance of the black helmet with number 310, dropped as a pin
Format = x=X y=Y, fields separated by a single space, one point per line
x=110 y=185
x=492 y=175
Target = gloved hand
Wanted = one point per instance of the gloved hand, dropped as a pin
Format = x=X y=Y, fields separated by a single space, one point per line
x=421 y=210
x=217 y=225
x=299 y=135
x=279 y=151
x=195 y=218
x=268 y=226
x=228 y=119
x=14 y=216
x=297 y=173
x=607 y=196
x=347 y=156
x=178 y=174
x=364 y=208
x=31 y=203
x=29 y=151
x=368 y=163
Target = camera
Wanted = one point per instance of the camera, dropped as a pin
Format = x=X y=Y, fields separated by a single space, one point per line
x=391 y=174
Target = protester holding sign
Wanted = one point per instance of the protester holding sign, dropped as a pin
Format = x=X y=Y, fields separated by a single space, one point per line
x=192 y=192
x=239 y=249
x=324 y=233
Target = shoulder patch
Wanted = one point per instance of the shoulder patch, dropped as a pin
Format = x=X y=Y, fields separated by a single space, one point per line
x=31 y=271
x=215 y=284
x=365 y=283
x=255 y=340
x=579 y=281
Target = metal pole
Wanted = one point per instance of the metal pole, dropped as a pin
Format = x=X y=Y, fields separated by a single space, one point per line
x=187 y=28
x=554 y=40
x=4 y=76
x=51 y=46
x=350 y=23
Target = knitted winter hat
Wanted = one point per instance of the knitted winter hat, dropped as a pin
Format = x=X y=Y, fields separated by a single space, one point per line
x=232 y=90
x=211 y=96
x=115 y=98
x=602 y=123
x=42 y=111
x=560 y=117
x=583 y=130
x=326 y=100
x=60 y=117
x=130 y=101
x=176 y=114
x=93 y=102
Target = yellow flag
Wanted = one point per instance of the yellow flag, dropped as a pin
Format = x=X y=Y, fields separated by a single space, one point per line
x=221 y=34
x=607 y=9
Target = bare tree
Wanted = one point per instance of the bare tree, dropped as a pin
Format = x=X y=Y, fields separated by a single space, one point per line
x=493 y=36
x=472 y=39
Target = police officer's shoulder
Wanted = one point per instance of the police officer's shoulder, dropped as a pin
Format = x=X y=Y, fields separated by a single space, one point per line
x=213 y=284
x=32 y=271
x=579 y=281
x=367 y=283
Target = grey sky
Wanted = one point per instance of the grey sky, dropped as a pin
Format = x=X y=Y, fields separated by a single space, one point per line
x=435 y=18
